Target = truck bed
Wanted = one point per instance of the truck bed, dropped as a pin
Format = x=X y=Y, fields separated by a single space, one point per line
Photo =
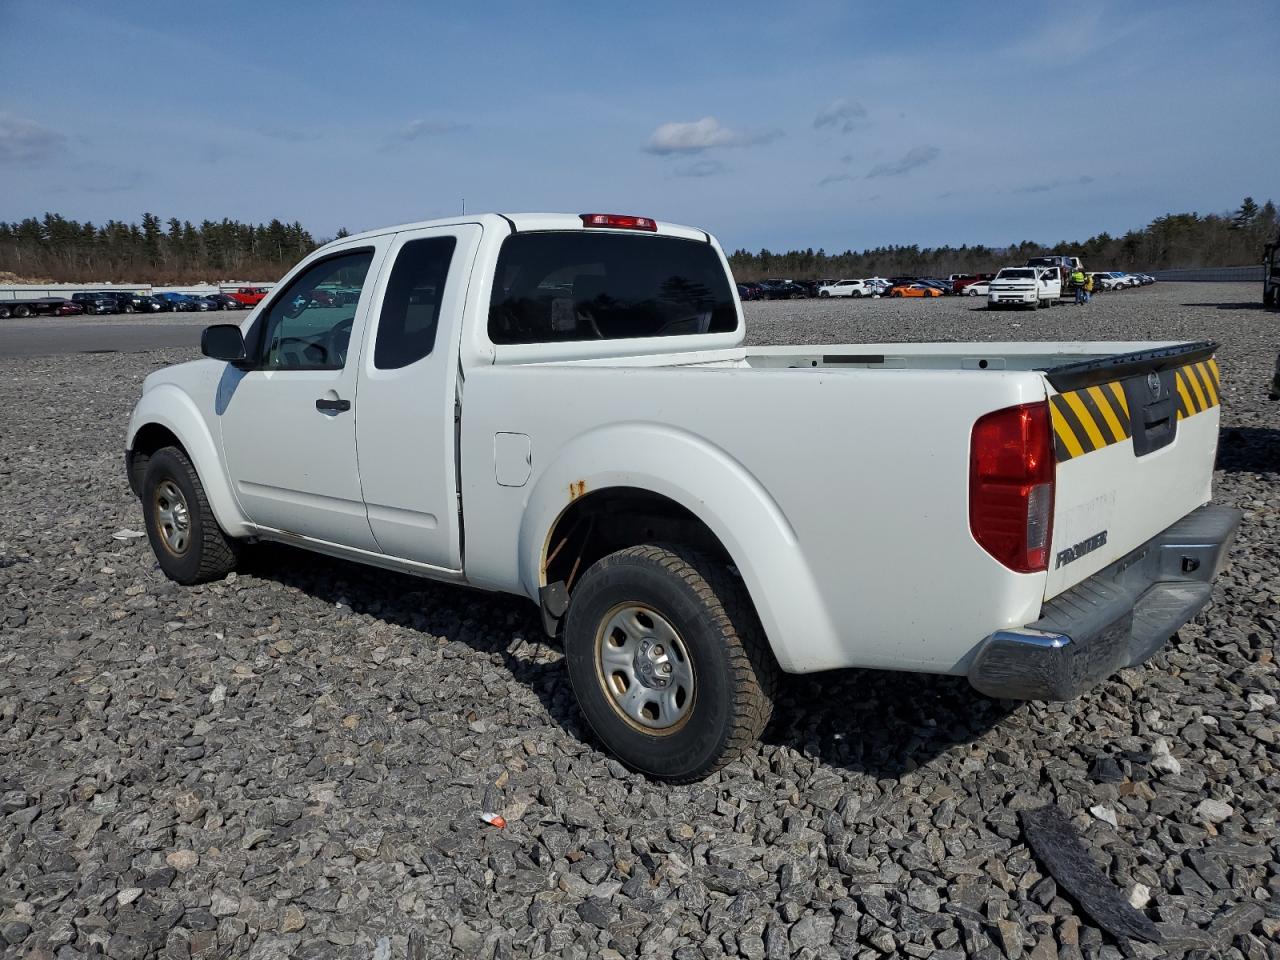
x=861 y=452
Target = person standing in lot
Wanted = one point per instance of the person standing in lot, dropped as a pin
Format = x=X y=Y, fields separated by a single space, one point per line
x=1088 y=288
x=1077 y=281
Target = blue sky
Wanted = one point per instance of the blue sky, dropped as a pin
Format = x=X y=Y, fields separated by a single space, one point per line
x=829 y=125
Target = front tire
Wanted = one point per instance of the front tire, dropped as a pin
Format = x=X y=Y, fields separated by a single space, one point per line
x=668 y=661
x=188 y=543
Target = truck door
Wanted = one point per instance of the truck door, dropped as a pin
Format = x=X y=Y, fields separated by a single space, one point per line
x=405 y=426
x=288 y=422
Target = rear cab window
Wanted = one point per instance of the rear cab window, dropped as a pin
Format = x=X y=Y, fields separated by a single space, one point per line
x=571 y=286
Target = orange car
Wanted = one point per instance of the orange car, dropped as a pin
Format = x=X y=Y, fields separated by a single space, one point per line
x=914 y=290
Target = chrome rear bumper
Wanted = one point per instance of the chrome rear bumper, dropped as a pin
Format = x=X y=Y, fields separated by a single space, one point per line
x=1117 y=618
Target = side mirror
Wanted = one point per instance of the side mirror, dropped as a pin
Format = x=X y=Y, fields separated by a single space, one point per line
x=223 y=341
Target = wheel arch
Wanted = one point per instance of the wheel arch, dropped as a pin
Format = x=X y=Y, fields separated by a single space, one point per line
x=167 y=416
x=665 y=484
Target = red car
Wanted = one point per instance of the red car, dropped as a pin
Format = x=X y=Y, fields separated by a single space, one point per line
x=248 y=296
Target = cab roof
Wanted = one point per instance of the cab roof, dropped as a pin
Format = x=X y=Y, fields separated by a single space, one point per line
x=529 y=222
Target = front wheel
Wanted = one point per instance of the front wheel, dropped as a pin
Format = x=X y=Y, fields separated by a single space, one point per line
x=188 y=543
x=668 y=661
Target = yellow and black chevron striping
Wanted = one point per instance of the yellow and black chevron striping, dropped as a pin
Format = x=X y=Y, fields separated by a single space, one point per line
x=1096 y=417
x=1197 y=385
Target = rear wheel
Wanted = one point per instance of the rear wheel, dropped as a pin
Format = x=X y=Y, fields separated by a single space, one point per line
x=188 y=543
x=21 y=311
x=668 y=661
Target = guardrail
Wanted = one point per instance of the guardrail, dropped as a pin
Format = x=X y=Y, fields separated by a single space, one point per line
x=1248 y=274
x=16 y=291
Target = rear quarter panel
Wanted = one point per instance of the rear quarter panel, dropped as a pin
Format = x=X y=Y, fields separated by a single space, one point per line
x=841 y=495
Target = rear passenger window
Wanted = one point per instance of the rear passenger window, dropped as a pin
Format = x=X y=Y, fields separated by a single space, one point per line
x=411 y=306
x=607 y=286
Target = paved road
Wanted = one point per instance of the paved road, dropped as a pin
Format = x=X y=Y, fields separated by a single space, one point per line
x=55 y=336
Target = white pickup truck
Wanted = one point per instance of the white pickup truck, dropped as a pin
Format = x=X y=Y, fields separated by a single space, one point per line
x=1032 y=287
x=562 y=407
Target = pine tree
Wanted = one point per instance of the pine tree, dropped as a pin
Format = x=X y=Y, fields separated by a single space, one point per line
x=1247 y=213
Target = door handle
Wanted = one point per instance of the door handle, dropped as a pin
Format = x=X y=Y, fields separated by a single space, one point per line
x=333 y=406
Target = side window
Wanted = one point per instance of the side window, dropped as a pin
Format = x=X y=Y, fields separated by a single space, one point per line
x=308 y=326
x=411 y=306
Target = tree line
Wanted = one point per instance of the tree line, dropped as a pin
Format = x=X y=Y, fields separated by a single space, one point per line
x=1168 y=242
x=178 y=251
x=153 y=251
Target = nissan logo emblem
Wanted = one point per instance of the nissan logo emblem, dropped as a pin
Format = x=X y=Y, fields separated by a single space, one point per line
x=1153 y=384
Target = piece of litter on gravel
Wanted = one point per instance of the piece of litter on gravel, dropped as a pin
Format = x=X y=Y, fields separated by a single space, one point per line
x=494 y=820
x=1059 y=848
x=127 y=534
x=1105 y=814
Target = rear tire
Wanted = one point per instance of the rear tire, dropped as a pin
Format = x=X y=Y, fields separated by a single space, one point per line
x=668 y=661
x=22 y=312
x=185 y=537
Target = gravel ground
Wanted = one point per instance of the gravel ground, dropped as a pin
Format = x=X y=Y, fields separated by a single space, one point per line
x=292 y=762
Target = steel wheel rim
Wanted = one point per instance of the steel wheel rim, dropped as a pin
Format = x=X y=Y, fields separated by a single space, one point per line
x=644 y=668
x=173 y=518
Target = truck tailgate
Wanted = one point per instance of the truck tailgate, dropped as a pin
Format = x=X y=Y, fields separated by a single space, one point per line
x=1136 y=436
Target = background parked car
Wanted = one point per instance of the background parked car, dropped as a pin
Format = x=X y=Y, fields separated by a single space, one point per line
x=748 y=291
x=961 y=284
x=177 y=302
x=782 y=290
x=56 y=307
x=914 y=290
x=95 y=302
x=249 y=296
x=846 y=288
x=977 y=288
x=225 y=302
x=145 y=303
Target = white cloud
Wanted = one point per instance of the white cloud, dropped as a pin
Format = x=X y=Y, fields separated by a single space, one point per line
x=696 y=136
x=27 y=143
x=840 y=114
x=913 y=158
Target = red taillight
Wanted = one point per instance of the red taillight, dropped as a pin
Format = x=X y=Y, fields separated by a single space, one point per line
x=618 y=221
x=1011 y=473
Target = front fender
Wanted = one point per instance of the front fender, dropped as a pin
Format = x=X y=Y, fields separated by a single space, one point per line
x=170 y=407
x=717 y=489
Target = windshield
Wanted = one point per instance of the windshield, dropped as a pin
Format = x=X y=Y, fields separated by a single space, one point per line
x=1017 y=275
x=571 y=286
